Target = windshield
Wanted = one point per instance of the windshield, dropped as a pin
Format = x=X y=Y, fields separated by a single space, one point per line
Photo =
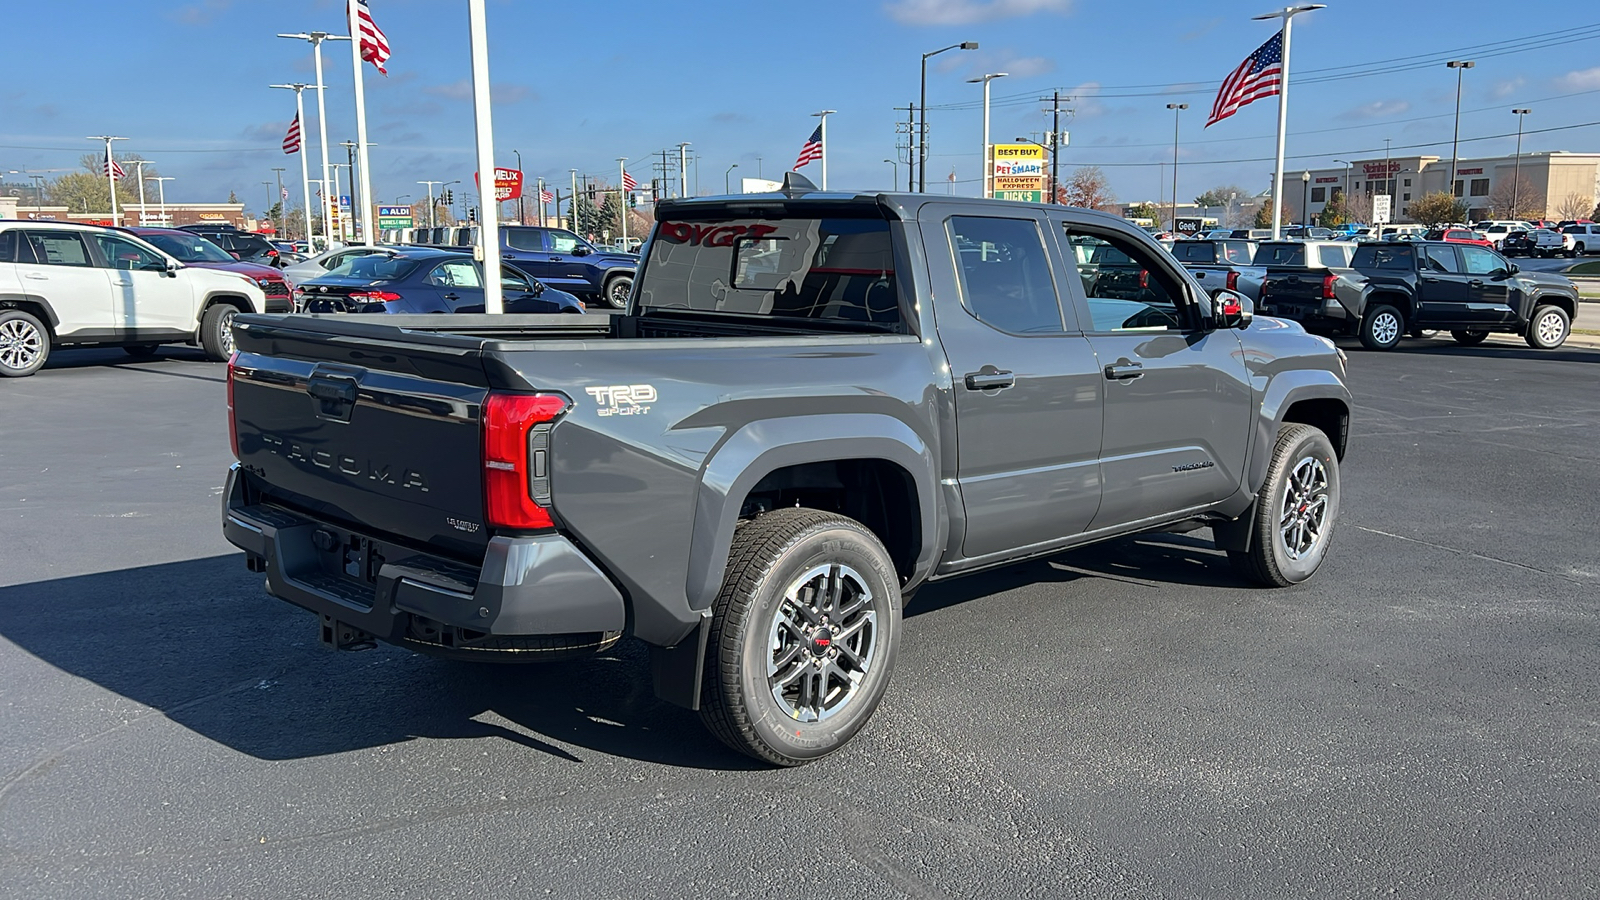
x=1281 y=255
x=190 y=248
x=375 y=267
x=811 y=268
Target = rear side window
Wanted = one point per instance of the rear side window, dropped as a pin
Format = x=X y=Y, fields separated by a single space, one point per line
x=1005 y=274
x=8 y=247
x=377 y=268
x=808 y=268
x=1386 y=256
x=529 y=239
x=58 y=248
x=1194 y=252
x=1334 y=257
x=1281 y=255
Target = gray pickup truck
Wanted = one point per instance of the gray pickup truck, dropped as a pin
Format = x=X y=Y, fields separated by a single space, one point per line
x=814 y=404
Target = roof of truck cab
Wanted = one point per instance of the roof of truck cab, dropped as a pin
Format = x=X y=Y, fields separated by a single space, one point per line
x=904 y=205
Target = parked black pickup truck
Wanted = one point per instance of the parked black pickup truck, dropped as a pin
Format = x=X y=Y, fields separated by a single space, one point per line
x=815 y=403
x=1393 y=289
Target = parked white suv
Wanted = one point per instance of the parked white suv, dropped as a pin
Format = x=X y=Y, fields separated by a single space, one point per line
x=68 y=285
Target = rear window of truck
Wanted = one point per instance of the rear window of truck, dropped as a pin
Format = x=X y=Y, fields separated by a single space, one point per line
x=802 y=268
x=1384 y=256
x=1281 y=255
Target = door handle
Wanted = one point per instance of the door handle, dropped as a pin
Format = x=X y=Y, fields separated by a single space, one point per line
x=452 y=297
x=555 y=259
x=35 y=276
x=511 y=256
x=1122 y=370
x=1430 y=281
x=1476 y=282
x=989 y=379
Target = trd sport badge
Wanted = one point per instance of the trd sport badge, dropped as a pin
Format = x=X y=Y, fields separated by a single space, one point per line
x=623 y=399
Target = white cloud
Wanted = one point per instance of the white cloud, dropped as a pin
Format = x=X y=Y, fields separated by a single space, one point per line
x=1084 y=104
x=966 y=12
x=499 y=92
x=1377 y=109
x=1504 y=89
x=1582 y=80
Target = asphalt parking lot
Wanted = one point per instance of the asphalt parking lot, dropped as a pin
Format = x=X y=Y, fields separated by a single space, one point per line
x=1422 y=719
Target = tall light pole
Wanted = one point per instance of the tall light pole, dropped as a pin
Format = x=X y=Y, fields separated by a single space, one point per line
x=894 y=177
x=1347 y=166
x=1516 y=170
x=1305 y=198
x=988 y=165
x=316 y=38
x=344 y=220
x=921 y=156
x=270 y=198
x=726 y=189
x=430 y=185
x=1461 y=66
x=140 y=163
x=572 y=203
x=305 y=173
x=1388 y=180
x=823 y=130
x=1046 y=149
x=283 y=228
x=520 y=188
x=1287 y=14
x=111 y=179
x=683 y=168
x=161 y=192
x=1177 y=109
x=483 y=127
x=38 y=200
x=622 y=196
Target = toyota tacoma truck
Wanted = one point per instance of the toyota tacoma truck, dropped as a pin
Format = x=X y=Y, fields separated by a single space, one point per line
x=814 y=404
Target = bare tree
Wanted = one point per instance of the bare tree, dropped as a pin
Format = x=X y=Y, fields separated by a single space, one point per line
x=1574 y=206
x=1516 y=198
x=1087 y=188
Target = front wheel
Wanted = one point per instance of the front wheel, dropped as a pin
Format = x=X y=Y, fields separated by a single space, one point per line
x=1381 y=328
x=1548 y=328
x=803 y=636
x=24 y=344
x=1469 y=338
x=1295 y=511
x=617 y=291
x=216 y=332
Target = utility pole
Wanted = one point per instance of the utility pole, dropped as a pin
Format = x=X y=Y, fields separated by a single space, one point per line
x=283 y=227
x=683 y=169
x=1055 y=143
x=1516 y=176
x=430 y=185
x=910 y=160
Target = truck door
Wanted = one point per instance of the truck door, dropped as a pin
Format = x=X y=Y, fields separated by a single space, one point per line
x=1026 y=387
x=1178 y=401
x=1441 y=286
x=1488 y=286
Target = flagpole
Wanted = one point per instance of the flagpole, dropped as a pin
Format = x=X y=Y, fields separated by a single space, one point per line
x=111 y=178
x=1287 y=14
x=488 y=226
x=823 y=133
x=361 y=126
x=622 y=197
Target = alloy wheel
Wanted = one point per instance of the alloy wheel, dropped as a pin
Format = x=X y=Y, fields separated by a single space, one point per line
x=21 y=344
x=1302 y=520
x=1386 y=328
x=225 y=331
x=1551 y=329
x=822 y=643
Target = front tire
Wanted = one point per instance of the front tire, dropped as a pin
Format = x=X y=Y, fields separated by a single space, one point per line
x=24 y=344
x=803 y=636
x=1469 y=338
x=618 y=289
x=216 y=332
x=1382 y=327
x=1295 y=511
x=1548 y=329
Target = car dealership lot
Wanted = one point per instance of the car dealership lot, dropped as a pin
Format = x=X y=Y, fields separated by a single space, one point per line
x=1422 y=717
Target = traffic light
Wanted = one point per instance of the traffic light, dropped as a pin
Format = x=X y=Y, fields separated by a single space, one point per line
x=449 y=197
x=472 y=214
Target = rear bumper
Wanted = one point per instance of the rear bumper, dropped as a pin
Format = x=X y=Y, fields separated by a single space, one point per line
x=530 y=596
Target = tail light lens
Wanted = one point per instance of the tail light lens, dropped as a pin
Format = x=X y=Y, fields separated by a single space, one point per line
x=1327 y=286
x=516 y=452
x=233 y=417
x=1233 y=281
x=384 y=296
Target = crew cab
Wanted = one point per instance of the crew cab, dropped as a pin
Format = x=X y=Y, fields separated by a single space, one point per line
x=1538 y=242
x=564 y=260
x=1299 y=280
x=1393 y=289
x=814 y=404
x=1222 y=265
x=69 y=285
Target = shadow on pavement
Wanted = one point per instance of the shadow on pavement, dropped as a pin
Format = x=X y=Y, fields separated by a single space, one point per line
x=91 y=357
x=1446 y=347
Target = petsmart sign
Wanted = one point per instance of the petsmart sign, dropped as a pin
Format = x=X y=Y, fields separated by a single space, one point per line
x=1017 y=172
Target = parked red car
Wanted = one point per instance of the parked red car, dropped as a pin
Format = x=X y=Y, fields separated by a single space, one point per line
x=196 y=250
x=1459 y=236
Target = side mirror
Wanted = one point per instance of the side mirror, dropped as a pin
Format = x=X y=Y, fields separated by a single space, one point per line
x=173 y=266
x=1515 y=268
x=1232 y=310
x=581 y=250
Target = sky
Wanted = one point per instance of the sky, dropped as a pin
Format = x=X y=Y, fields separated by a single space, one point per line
x=577 y=85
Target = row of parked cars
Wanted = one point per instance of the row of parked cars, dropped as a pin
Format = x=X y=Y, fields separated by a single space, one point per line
x=1382 y=291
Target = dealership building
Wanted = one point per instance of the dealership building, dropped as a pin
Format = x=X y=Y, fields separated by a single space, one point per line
x=1560 y=182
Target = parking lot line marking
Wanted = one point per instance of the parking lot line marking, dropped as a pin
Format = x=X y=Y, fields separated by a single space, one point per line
x=1493 y=559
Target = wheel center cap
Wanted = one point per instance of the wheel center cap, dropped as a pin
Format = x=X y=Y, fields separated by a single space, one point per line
x=821 y=641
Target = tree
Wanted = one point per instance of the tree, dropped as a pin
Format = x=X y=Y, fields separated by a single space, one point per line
x=1221 y=195
x=1438 y=207
x=1341 y=209
x=87 y=191
x=610 y=221
x=1574 y=206
x=1087 y=188
x=1529 y=202
x=1145 y=211
x=1264 y=215
x=233 y=197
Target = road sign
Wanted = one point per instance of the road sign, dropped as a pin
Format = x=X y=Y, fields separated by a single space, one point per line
x=1382 y=205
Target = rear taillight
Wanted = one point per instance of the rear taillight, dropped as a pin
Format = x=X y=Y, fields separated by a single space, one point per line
x=233 y=417
x=383 y=296
x=516 y=459
x=1327 y=286
x=1233 y=281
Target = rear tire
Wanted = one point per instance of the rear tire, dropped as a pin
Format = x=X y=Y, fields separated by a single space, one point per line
x=24 y=344
x=803 y=636
x=1295 y=511
x=216 y=332
x=1469 y=338
x=1382 y=328
x=1548 y=329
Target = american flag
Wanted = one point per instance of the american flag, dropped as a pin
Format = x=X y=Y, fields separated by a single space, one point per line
x=112 y=169
x=291 y=140
x=1260 y=75
x=374 y=44
x=628 y=183
x=284 y=192
x=812 y=149
x=545 y=196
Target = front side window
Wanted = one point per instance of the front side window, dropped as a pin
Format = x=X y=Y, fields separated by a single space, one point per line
x=513 y=280
x=457 y=273
x=121 y=253
x=188 y=248
x=565 y=241
x=1479 y=261
x=1005 y=274
x=1127 y=288
x=58 y=248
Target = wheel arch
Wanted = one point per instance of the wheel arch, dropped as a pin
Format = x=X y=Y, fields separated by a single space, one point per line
x=37 y=307
x=1388 y=296
x=216 y=298
x=1312 y=397
x=1566 y=304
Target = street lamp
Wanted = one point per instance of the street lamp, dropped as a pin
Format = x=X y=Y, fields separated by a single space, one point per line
x=1461 y=66
x=1052 y=152
x=303 y=152
x=161 y=192
x=1305 y=198
x=316 y=38
x=1347 y=166
x=921 y=155
x=726 y=189
x=1177 y=109
x=988 y=166
x=894 y=174
x=1516 y=171
x=430 y=185
x=38 y=204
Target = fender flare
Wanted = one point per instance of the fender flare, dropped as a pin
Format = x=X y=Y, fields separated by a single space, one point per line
x=52 y=320
x=764 y=446
x=1284 y=390
x=222 y=296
